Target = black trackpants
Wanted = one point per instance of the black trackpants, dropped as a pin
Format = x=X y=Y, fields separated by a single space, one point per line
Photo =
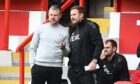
x=41 y=74
x=79 y=76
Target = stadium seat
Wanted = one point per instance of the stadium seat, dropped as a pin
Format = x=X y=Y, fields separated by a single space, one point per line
x=123 y=82
x=136 y=77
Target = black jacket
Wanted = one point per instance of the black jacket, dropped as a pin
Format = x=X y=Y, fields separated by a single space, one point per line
x=138 y=50
x=114 y=70
x=89 y=45
x=138 y=55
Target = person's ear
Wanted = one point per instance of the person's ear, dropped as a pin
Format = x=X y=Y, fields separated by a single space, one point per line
x=114 y=49
x=81 y=15
x=60 y=16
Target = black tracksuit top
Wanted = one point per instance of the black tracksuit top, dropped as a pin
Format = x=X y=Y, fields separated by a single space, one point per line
x=86 y=43
x=114 y=70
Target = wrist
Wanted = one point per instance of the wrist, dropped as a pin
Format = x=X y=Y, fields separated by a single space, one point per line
x=94 y=60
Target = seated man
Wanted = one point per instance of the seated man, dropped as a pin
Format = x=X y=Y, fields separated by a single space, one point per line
x=113 y=66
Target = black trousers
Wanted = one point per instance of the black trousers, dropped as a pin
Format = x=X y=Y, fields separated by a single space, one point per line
x=79 y=76
x=41 y=74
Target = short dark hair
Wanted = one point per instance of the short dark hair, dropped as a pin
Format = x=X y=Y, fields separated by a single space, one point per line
x=55 y=7
x=80 y=9
x=113 y=42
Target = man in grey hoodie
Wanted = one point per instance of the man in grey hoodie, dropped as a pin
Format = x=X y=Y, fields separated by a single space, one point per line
x=46 y=50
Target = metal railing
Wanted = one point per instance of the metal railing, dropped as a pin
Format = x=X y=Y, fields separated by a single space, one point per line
x=6 y=24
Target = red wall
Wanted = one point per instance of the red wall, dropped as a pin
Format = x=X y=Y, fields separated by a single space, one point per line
x=18 y=25
x=128 y=5
x=25 y=5
x=1 y=32
x=129 y=33
x=19 y=20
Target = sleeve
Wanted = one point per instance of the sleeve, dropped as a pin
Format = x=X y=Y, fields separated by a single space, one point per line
x=97 y=41
x=122 y=69
x=121 y=64
x=66 y=50
x=67 y=43
x=33 y=48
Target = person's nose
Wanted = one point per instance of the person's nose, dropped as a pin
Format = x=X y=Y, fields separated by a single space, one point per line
x=53 y=16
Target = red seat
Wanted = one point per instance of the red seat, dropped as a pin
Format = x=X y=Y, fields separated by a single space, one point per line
x=123 y=82
x=136 y=77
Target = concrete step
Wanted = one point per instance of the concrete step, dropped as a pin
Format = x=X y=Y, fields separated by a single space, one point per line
x=11 y=82
x=5 y=58
x=12 y=73
x=17 y=55
x=16 y=58
x=107 y=11
x=14 y=69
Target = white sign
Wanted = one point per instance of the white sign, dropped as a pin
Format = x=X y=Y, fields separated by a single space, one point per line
x=138 y=22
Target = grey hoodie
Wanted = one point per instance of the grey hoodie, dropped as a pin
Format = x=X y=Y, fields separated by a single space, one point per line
x=44 y=48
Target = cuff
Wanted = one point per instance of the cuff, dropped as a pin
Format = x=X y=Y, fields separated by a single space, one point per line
x=94 y=60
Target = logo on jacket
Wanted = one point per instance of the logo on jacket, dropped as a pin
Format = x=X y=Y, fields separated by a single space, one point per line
x=106 y=70
x=74 y=37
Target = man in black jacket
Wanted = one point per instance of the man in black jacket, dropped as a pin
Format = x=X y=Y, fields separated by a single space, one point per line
x=113 y=66
x=85 y=45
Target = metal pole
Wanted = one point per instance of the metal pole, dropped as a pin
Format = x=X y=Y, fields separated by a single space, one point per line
x=21 y=73
x=6 y=24
x=82 y=3
x=117 y=4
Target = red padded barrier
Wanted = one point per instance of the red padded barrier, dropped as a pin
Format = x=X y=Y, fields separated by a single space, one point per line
x=123 y=82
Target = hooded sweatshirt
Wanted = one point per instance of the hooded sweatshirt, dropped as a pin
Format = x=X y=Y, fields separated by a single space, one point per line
x=44 y=48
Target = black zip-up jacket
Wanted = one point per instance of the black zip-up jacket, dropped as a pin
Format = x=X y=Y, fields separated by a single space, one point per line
x=88 y=46
x=114 y=70
x=138 y=50
x=138 y=55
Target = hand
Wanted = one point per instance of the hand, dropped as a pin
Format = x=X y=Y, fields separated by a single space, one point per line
x=92 y=65
x=102 y=56
x=62 y=45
